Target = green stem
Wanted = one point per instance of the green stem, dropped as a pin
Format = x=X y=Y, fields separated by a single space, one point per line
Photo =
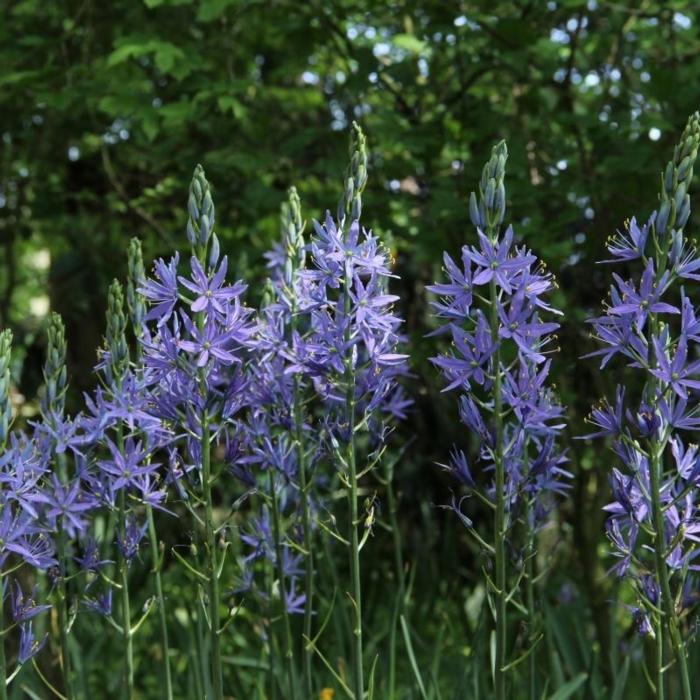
x=288 y=646
x=61 y=605
x=659 y=659
x=398 y=565
x=307 y=534
x=530 y=601
x=3 y=661
x=670 y=623
x=269 y=581
x=126 y=604
x=499 y=517
x=155 y=555
x=358 y=671
x=212 y=565
x=349 y=377
x=202 y=650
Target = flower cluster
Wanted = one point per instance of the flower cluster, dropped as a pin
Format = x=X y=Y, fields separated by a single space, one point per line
x=654 y=523
x=491 y=305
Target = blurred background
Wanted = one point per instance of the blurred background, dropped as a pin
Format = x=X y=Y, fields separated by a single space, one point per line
x=105 y=108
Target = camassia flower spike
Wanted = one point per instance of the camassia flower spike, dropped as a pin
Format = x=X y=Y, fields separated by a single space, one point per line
x=652 y=324
x=490 y=305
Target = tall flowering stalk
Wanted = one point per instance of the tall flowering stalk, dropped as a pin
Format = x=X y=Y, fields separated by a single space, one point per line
x=350 y=355
x=491 y=305
x=119 y=438
x=137 y=312
x=294 y=260
x=25 y=537
x=194 y=358
x=5 y=422
x=118 y=364
x=653 y=521
x=279 y=431
x=65 y=490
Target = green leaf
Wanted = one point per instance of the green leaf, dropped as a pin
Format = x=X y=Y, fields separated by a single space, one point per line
x=166 y=55
x=227 y=103
x=210 y=10
x=124 y=53
x=568 y=689
x=150 y=124
x=409 y=42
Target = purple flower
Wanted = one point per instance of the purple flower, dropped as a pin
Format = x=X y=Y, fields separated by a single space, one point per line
x=607 y=418
x=494 y=261
x=294 y=601
x=128 y=465
x=676 y=372
x=630 y=244
x=519 y=324
x=457 y=292
x=162 y=292
x=90 y=558
x=101 y=604
x=69 y=504
x=29 y=645
x=129 y=540
x=212 y=295
x=24 y=607
x=647 y=300
x=459 y=468
x=474 y=351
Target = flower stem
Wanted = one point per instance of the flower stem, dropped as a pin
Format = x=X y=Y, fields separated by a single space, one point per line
x=308 y=545
x=398 y=564
x=530 y=600
x=499 y=516
x=126 y=604
x=3 y=661
x=155 y=555
x=358 y=672
x=670 y=623
x=288 y=646
x=62 y=596
x=659 y=631
x=212 y=573
x=350 y=461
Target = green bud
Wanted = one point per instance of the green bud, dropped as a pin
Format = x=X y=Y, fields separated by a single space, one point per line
x=474 y=212
x=115 y=337
x=356 y=177
x=55 y=373
x=488 y=212
x=136 y=277
x=200 y=207
x=5 y=398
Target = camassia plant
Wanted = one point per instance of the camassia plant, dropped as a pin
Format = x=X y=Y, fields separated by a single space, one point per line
x=202 y=521
x=651 y=322
x=491 y=305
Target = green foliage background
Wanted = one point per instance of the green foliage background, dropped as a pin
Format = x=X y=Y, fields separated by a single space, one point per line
x=105 y=108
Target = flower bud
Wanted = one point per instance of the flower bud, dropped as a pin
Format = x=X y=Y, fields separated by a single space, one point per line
x=214 y=251
x=5 y=399
x=115 y=336
x=683 y=212
x=662 y=218
x=474 y=212
x=137 y=274
x=55 y=375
